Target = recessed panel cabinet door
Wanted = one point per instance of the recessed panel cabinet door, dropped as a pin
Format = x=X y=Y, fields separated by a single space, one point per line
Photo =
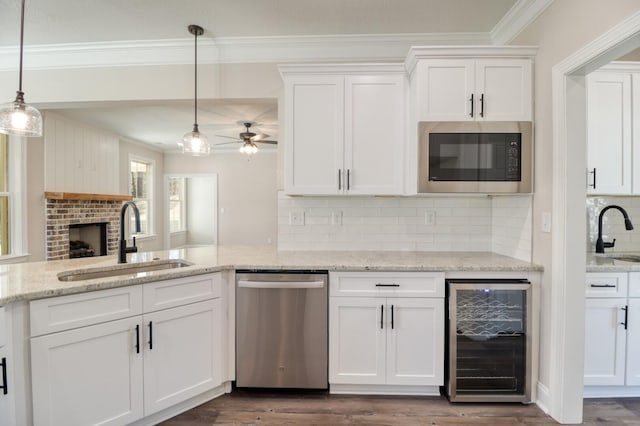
x=503 y=89
x=609 y=132
x=633 y=343
x=87 y=376
x=605 y=337
x=314 y=134
x=415 y=341
x=182 y=356
x=374 y=134
x=445 y=89
x=357 y=340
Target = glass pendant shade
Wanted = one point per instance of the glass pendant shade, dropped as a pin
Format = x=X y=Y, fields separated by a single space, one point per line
x=195 y=143
x=20 y=119
x=249 y=148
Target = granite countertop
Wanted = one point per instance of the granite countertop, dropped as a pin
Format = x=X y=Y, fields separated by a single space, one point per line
x=605 y=263
x=28 y=281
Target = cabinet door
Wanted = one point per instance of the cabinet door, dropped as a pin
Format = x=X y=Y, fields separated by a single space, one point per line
x=604 y=342
x=503 y=90
x=357 y=340
x=633 y=343
x=374 y=134
x=182 y=353
x=314 y=134
x=87 y=376
x=609 y=133
x=7 y=392
x=415 y=341
x=445 y=90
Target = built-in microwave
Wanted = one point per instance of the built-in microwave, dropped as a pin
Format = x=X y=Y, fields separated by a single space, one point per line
x=486 y=157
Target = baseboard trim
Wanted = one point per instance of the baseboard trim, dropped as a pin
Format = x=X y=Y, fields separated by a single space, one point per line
x=341 y=389
x=543 y=397
x=611 y=391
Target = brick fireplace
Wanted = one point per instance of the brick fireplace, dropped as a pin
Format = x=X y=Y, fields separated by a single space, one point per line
x=64 y=209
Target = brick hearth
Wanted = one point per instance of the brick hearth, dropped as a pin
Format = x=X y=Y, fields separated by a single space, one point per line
x=62 y=213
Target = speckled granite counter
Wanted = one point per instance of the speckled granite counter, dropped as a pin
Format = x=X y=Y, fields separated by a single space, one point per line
x=35 y=280
x=604 y=263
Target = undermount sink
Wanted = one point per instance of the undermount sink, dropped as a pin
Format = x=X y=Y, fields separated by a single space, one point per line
x=125 y=269
x=623 y=257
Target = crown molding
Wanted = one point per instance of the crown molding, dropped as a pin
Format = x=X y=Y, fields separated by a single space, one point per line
x=521 y=14
x=365 y=47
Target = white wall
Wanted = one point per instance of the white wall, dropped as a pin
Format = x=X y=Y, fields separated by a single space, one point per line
x=247 y=197
x=201 y=210
x=561 y=30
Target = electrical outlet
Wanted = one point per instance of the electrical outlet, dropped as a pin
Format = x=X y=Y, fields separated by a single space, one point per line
x=296 y=218
x=546 y=222
x=336 y=218
x=430 y=217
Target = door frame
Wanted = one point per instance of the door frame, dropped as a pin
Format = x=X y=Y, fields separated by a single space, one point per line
x=568 y=265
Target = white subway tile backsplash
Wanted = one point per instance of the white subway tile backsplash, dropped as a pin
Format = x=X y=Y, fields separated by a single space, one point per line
x=462 y=223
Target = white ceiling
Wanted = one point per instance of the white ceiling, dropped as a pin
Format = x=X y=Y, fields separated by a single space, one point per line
x=161 y=125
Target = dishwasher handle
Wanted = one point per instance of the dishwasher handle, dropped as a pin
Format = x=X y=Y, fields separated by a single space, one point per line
x=280 y=284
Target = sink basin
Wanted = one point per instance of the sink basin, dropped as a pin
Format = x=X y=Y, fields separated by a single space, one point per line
x=125 y=269
x=623 y=257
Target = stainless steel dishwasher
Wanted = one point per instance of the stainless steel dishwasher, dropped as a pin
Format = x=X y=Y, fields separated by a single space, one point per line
x=281 y=329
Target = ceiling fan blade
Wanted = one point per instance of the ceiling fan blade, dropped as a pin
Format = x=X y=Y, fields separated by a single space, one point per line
x=229 y=137
x=266 y=141
x=226 y=143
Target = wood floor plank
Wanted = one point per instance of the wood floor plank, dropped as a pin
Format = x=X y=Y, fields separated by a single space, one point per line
x=243 y=407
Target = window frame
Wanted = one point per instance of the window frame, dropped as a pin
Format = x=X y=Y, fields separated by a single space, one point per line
x=183 y=206
x=16 y=176
x=150 y=234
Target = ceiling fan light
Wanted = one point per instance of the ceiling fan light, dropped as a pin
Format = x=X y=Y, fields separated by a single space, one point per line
x=20 y=119
x=248 y=148
x=196 y=144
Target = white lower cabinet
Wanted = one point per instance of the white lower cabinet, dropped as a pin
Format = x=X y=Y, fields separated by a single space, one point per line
x=7 y=361
x=118 y=371
x=87 y=376
x=612 y=335
x=385 y=344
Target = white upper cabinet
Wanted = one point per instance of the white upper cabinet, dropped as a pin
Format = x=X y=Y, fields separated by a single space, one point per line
x=460 y=89
x=344 y=129
x=610 y=122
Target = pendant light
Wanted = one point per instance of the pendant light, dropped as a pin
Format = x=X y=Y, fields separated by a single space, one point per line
x=194 y=142
x=17 y=118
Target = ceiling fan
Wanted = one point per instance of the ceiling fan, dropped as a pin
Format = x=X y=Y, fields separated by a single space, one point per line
x=248 y=139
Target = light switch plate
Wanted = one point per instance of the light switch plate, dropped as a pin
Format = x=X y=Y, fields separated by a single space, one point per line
x=336 y=218
x=430 y=217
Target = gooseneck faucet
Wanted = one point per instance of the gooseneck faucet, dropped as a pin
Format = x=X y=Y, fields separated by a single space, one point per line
x=600 y=244
x=122 y=242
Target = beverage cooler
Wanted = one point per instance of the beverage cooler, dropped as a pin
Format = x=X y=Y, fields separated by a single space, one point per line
x=489 y=340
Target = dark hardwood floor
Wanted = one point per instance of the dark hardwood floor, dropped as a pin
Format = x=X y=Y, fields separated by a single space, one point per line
x=284 y=408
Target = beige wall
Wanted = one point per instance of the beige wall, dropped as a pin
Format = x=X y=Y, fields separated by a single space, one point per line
x=36 y=225
x=561 y=30
x=247 y=197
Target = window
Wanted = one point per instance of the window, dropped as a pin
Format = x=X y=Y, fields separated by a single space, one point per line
x=141 y=182
x=177 y=204
x=5 y=242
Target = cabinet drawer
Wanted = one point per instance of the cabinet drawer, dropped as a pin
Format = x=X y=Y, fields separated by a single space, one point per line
x=634 y=284
x=78 y=310
x=181 y=291
x=606 y=284
x=384 y=284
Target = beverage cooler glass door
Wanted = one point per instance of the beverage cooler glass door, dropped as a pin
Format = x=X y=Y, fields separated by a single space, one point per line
x=489 y=341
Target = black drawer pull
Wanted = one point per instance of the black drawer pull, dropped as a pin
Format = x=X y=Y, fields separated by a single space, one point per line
x=137 y=338
x=387 y=285
x=603 y=285
x=150 y=335
x=5 y=385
